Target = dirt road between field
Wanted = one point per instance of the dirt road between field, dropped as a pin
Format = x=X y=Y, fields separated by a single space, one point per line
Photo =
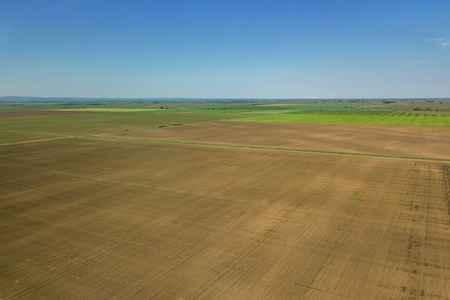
x=36 y=141
x=38 y=113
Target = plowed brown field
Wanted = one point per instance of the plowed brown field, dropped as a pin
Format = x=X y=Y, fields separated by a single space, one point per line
x=415 y=141
x=95 y=218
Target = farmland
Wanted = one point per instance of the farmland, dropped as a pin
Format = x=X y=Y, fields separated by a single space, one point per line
x=50 y=124
x=364 y=117
x=130 y=204
x=425 y=142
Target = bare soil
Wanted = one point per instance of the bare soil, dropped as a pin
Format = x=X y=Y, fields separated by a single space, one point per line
x=96 y=218
x=415 y=141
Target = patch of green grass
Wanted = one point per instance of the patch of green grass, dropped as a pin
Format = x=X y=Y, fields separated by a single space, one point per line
x=356 y=194
x=356 y=117
x=411 y=204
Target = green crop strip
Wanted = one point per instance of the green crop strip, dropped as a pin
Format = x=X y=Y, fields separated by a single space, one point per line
x=355 y=117
x=262 y=148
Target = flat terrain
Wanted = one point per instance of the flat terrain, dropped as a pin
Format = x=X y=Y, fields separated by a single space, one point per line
x=165 y=200
x=37 y=113
x=97 y=218
x=358 y=117
x=51 y=124
x=417 y=141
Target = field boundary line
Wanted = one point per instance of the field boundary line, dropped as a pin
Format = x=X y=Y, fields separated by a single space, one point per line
x=264 y=148
x=36 y=141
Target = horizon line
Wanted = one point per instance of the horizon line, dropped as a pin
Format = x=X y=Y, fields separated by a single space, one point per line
x=229 y=98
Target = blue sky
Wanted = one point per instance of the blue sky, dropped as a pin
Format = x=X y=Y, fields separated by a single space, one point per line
x=225 y=49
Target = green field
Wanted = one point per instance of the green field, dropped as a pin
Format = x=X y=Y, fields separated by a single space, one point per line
x=356 y=117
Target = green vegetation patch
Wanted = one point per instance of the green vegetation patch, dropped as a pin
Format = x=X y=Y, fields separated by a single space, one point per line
x=356 y=194
x=356 y=117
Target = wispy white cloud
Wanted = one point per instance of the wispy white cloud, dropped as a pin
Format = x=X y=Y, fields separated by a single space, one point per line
x=441 y=41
